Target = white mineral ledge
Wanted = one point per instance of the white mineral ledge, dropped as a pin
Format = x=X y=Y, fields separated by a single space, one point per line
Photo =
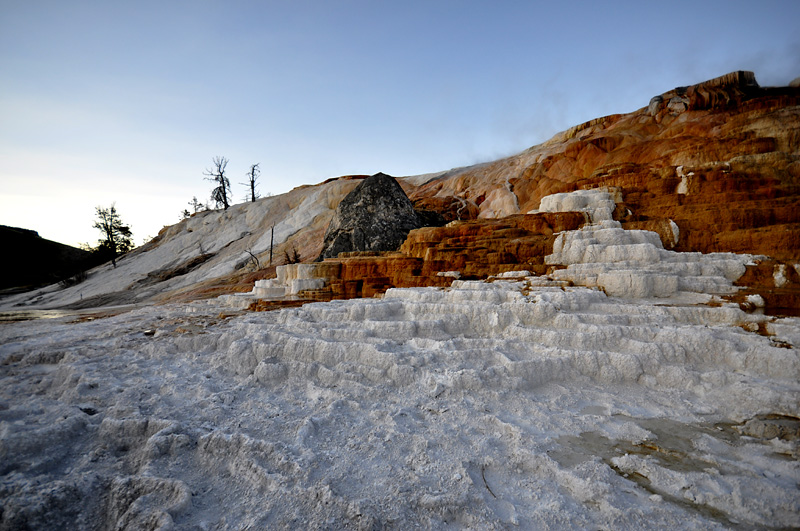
x=632 y=263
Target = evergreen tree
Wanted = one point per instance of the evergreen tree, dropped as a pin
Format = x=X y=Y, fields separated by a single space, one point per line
x=197 y=206
x=117 y=237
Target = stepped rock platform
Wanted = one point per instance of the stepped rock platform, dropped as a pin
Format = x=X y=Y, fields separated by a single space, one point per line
x=572 y=239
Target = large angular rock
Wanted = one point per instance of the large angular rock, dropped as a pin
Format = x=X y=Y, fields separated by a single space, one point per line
x=376 y=216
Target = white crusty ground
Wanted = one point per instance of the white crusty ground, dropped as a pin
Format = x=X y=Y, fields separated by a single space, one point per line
x=515 y=403
x=512 y=404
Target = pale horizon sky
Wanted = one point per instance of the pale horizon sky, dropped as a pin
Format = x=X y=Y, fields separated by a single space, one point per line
x=128 y=102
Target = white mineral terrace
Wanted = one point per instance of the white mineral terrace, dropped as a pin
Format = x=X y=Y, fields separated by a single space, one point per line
x=633 y=263
x=485 y=405
x=521 y=403
x=624 y=263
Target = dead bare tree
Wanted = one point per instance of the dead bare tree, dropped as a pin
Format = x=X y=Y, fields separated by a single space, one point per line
x=221 y=195
x=271 y=240
x=253 y=258
x=252 y=177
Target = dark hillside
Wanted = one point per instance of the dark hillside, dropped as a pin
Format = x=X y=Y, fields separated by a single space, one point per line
x=30 y=260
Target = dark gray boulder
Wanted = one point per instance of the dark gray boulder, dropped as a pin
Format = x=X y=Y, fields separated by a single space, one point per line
x=376 y=216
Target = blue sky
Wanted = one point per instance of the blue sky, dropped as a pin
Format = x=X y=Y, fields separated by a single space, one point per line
x=129 y=101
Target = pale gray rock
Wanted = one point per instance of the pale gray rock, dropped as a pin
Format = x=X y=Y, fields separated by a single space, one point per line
x=677 y=105
x=655 y=105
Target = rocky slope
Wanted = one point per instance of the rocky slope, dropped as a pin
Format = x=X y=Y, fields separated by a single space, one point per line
x=714 y=167
x=721 y=159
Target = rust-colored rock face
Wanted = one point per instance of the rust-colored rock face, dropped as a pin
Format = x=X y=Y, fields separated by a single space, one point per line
x=713 y=167
x=474 y=249
x=721 y=159
x=480 y=248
